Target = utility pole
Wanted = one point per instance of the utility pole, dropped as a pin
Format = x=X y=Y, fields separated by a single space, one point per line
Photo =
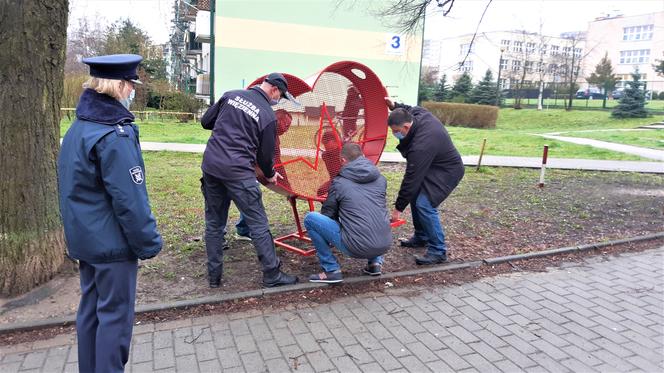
x=500 y=68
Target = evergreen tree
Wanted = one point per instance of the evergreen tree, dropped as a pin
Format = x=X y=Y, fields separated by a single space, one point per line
x=659 y=67
x=462 y=88
x=603 y=77
x=632 y=104
x=442 y=91
x=484 y=92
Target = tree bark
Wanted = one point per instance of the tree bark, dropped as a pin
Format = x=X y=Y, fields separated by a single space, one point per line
x=31 y=71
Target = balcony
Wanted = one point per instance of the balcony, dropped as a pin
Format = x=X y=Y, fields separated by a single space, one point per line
x=193 y=47
x=203 y=85
x=202 y=27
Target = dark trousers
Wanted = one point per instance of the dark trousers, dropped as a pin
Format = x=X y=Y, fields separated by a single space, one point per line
x=106 y=315
x=246 y=194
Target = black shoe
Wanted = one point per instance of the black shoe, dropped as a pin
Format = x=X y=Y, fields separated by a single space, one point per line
x=413 y=243
x=214 y=281
x=430 y=259
x=373 y=270
x=327 y=277
x=279 y=279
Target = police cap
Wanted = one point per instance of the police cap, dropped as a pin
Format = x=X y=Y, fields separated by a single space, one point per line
x=115 y=66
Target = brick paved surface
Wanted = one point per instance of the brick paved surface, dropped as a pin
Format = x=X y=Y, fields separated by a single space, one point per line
x=595 y=316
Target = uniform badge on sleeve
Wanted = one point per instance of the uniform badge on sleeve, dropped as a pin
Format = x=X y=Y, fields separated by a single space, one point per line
x=136 y=174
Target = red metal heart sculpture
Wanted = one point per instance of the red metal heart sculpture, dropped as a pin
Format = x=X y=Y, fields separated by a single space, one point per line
x=341 y=103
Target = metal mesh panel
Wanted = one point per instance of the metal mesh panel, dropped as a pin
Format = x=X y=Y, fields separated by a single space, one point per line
x=333 y=111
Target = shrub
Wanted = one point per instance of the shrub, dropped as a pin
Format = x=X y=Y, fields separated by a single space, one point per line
x=72 y=89
x=661 y=95
x=463 y=115
x=178 y=101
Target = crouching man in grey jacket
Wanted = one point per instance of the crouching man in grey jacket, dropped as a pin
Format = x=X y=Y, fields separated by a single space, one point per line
x=354 y=218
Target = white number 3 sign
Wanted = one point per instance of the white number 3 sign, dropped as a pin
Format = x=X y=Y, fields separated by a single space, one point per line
x=395 y=44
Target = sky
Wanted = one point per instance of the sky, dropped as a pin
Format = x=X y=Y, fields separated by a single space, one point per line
x=154 y=16
x=557 y=16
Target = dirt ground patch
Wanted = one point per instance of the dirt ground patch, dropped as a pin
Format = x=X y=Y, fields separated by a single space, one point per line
x=494 y=212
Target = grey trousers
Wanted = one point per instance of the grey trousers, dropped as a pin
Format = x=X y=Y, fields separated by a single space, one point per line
x=247 y=196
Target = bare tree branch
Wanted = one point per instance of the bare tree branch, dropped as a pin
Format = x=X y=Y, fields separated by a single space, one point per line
x=470 y=48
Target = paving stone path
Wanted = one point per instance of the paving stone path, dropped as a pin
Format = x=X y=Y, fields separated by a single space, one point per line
x=600 y=315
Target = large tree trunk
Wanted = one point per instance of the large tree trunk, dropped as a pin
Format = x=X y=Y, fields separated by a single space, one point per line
x=33 y=43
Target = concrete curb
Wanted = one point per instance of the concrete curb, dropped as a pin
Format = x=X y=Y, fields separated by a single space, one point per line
x=69 y=320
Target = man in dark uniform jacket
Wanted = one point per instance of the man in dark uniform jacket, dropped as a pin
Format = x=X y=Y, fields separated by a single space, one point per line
x=433 y=169
x=105 y=211
x=244 y=130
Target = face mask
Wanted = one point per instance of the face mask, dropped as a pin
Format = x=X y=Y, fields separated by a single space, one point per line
x=274 y=102
x=126 y=102
x=398 y=135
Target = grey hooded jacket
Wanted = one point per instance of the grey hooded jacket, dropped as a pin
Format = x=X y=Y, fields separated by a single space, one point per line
x=357 y=200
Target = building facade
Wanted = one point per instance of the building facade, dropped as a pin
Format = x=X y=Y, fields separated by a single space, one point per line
x=517 y=55
x=631 y=42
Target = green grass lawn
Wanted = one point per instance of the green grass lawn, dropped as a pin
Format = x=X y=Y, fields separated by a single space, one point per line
x=653 y=139
x=515 y=129
x=513 y=135
x=657 y=105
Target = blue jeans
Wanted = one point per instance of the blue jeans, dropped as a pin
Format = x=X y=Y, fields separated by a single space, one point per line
x=241 y=227
x=324 y=232
x=427 y=225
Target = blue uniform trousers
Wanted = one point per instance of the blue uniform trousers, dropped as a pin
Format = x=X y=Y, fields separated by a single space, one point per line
x=247 y=196
x=106 y=315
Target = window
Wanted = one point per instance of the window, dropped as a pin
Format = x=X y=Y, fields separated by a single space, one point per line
x=505 y=43
x=516 y=65
x=530 y=47
x=552 y=68
x=467 y=66
x=636 y=33
x=635 y=56
x=529 y=66
x=543 y=48
x=577 y=52
x=518 y=46
x=554 y=50
x=566 y=51
x=503 y=83
x=540 y=67
x=465 y=48
x=503 y=63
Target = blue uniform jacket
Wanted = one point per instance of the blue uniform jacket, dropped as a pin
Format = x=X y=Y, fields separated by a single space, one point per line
x=244 y=132
x=103 y=199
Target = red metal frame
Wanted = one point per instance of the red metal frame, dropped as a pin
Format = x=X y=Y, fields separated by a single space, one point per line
x=373 y=142
x=299 y=235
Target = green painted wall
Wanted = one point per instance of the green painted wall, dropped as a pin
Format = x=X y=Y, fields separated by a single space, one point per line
x=234 y=67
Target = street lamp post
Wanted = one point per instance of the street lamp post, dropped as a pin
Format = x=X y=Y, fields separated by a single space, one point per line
x=500 y=68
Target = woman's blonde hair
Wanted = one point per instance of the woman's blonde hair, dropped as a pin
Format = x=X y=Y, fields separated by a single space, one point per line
x=110 y=87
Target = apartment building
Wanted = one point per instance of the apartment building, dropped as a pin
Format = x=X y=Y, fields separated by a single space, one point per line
x=513 y=53
x=189 y=49
x=631 y=42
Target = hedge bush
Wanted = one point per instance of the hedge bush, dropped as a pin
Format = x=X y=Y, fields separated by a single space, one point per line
x=463 y=115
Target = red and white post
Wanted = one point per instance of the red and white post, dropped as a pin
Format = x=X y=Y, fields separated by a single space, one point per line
x=545 y=155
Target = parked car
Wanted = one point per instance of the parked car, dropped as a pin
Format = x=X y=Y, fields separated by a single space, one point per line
x=618 y=93
x=589 y=93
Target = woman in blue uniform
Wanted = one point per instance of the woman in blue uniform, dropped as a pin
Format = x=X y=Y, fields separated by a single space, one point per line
x=105 y=211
